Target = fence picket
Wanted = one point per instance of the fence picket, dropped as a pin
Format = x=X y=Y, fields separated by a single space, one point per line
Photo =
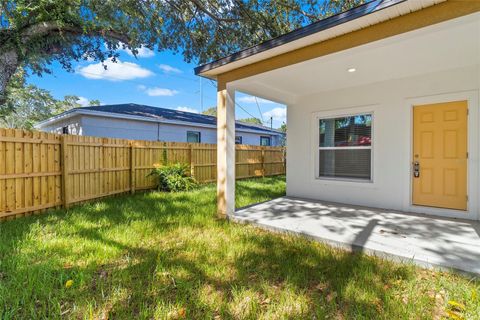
x=40 y=170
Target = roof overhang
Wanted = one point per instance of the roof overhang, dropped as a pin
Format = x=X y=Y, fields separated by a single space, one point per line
x=452 y=47
x=76 y=112
x=370 y=22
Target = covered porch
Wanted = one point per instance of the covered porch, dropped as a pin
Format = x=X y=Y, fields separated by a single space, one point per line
x=379 y=65
x=356 y=85
x=406 y=237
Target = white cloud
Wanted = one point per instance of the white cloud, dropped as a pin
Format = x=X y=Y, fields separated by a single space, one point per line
x=115 y=71
x=169 y=69
x=87 y=57
x=278 y=114
x=157 y=91
x=83 y=101
x=142 y=52
x=187 y=109
x=250 y=99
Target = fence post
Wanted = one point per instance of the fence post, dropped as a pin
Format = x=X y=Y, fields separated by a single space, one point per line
x=64 y=164
x=263 y=162
x=132 y=168
x=190 y=157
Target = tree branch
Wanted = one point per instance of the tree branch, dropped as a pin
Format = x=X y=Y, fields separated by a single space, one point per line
x=302 y=12
x=46 y=28
x=202 y=8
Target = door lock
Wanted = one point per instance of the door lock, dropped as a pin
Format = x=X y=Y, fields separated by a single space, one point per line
x=416 y=169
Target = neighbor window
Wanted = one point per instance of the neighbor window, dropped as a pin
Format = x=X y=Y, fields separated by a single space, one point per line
x=345 y=147
x=238 y=140
x=265 y=141
x=193 y=136
x=65 y=130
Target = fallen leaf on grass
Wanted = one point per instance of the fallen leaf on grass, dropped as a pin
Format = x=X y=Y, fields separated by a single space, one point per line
x=439 y=302
x=68 y=284
x=177 y=314
x=378 y=305
x=454 y=315
x=331 y=296
x=321 y=286
x=182 y=312
x=456 y=305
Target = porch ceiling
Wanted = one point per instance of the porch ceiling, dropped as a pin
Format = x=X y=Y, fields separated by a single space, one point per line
x=448 y=45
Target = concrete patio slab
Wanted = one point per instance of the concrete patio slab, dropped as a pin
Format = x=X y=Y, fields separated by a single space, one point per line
x=424 y=240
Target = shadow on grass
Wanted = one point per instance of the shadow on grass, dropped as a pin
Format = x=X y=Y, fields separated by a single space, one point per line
x=185 y=253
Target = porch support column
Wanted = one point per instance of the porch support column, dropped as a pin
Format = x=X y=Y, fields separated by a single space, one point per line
x=225 y=150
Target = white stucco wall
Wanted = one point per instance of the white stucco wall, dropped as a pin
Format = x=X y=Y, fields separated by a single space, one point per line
x=143 y=130
x=391 y=103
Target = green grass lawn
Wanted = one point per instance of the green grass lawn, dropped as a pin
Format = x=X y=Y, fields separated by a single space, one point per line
x=166 y=256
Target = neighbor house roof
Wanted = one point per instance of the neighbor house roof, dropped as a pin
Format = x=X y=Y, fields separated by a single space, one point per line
x=148 y=113
x=370 y=13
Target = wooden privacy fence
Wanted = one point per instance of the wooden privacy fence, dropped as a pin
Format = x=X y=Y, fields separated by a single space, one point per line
x=40 y=170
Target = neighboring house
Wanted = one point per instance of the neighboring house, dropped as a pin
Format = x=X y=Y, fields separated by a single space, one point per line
x=139 y=122
x=382 y=106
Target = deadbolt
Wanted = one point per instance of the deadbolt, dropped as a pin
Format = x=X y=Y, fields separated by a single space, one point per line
x=416 y=169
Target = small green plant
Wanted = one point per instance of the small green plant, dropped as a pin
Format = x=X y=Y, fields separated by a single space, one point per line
x=174 y=178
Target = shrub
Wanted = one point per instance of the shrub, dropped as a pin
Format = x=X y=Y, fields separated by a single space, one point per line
x=174 y=178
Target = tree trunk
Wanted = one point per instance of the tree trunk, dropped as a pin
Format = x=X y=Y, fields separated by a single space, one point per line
x=8 y=66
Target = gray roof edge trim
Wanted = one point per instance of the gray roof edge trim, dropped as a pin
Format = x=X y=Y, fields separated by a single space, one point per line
x=66 y=114
x=321 y=25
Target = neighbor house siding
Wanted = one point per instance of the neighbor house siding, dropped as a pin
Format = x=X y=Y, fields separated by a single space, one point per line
x=144 y=130
x=74 y=125
x=119 y=128
x=391 y=104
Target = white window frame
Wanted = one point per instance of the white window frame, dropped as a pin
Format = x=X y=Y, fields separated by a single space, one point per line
x=317 y=119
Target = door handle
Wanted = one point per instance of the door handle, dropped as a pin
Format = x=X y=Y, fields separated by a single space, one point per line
x=416 y=169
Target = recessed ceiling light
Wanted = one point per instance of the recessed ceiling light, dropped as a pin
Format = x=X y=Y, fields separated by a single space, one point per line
x=351 y=70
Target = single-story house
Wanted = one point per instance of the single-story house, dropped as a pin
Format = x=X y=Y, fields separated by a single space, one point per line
x=382 y=106
x=140 y=122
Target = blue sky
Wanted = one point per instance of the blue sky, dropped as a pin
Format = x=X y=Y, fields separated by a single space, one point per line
x=160 y=79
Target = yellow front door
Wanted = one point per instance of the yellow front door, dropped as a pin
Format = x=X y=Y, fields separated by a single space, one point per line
x=440 y=155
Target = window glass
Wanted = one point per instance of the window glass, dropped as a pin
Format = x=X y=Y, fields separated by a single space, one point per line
x=346 y=131
x=265 y=141
x=238 y=140
x=193 y=136
x=345 y=147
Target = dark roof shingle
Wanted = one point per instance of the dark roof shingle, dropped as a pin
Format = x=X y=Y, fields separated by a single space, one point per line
x=138 y=110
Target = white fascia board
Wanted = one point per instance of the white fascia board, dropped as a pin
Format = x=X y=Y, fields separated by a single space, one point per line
x=72 y=113
x=61 y=116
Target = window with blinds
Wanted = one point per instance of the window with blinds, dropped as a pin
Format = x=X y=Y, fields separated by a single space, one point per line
x=345 y=148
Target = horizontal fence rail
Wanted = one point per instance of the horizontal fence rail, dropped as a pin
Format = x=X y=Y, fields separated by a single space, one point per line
x=40 y=170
